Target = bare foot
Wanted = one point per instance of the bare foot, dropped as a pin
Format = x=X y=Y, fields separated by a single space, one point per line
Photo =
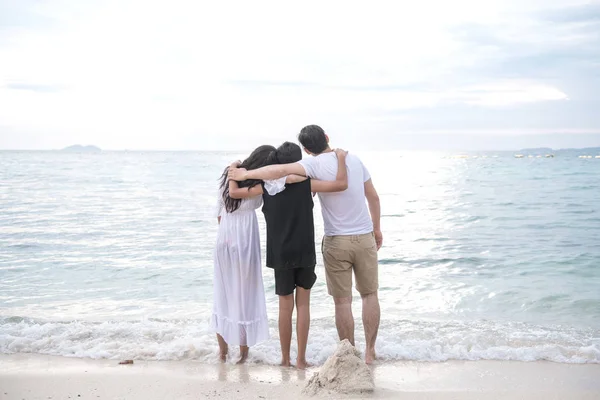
x=223 y=356
x=302 y=364
x=370 y=357
x=285 y=363
x=223 y=348
x=243 y=354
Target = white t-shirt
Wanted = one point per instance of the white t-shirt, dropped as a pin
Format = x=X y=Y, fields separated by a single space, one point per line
x=344 y=213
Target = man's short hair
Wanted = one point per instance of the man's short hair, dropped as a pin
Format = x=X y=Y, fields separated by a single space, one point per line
x=313 y=138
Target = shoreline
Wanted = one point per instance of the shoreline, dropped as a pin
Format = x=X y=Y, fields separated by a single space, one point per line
x=34 y=376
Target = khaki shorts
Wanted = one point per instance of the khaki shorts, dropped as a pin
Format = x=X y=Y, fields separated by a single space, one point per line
x=342 y=255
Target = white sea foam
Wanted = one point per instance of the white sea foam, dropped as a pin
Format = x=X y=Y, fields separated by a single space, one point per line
x=398 y=340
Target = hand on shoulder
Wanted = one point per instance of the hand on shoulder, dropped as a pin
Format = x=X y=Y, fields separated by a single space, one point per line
x=340 y=152
x=237 y=174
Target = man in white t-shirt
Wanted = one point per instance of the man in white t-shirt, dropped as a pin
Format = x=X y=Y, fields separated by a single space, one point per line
x=352 y=230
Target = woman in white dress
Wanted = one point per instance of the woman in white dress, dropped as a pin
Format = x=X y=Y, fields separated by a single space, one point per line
x=239 y=311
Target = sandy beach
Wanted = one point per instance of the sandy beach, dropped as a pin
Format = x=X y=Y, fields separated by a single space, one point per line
x=31 y=377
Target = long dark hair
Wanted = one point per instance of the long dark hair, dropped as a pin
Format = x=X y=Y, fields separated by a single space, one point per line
x=259 y=158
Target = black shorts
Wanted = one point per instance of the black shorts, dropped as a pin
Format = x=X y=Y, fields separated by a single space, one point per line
x=286 y=280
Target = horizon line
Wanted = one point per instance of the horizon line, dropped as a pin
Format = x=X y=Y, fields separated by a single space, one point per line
x=100 y=150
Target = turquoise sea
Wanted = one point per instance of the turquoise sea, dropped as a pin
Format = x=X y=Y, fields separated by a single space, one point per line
x=486 y=256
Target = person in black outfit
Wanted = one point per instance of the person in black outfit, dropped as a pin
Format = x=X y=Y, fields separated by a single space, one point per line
x=291 y=250
x=288 y=211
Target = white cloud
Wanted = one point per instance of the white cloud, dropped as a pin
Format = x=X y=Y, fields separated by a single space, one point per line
x=170 y=74
x=509 y=93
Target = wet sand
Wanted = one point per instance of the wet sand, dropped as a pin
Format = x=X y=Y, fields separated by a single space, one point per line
x=31 y=377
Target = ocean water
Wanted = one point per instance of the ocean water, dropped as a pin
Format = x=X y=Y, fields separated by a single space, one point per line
x=109 y=255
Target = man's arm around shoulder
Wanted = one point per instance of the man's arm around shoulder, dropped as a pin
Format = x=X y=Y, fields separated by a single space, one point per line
x=270 y=172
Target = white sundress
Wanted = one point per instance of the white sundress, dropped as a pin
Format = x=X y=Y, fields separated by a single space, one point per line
x=239 y=308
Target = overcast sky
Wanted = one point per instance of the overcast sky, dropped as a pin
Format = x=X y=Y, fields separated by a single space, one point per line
x=200 y=75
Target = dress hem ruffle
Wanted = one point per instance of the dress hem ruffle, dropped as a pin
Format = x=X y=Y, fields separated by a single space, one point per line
x=241 y=333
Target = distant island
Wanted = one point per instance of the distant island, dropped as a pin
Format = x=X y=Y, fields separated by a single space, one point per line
x=537 y=150
x=82 y=149
x=585 y=149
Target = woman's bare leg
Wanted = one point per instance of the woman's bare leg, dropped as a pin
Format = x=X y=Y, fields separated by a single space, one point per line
x=243 y=347
x=223 y=348
x=243 y=354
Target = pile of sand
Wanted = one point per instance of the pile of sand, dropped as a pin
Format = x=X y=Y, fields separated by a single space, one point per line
x=343 y=372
